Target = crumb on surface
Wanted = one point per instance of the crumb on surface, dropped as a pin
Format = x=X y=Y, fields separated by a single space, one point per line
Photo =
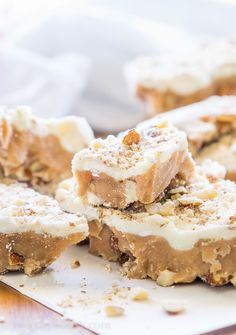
x=108 y=267
x=2 y=319
x=113 y=311
x=139 y=294
x=174 y=306
x=75 y=264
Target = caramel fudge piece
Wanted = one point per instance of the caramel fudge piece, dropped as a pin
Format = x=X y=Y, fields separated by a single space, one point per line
x=170 y=81
x=136 y=166
x=189 y=234
x=210 y=126
x=34 y=230
x=39 y=151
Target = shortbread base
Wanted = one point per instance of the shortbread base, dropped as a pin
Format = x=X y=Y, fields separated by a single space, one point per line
x=31 y=252
x=213 y=261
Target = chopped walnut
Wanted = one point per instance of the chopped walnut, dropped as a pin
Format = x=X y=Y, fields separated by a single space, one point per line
x=15 y=259
x=5 y=133
x=180 y=190
x=19 y=202
x=2 y=319
x=162 y=124
x=173 y=306
x=75 y=264
x=132 y=137
x=96 y=144
x=194 y=201
x=139 y=294
x=108 y=267
x=113 y=311
x=206 y=194
x=166 y=209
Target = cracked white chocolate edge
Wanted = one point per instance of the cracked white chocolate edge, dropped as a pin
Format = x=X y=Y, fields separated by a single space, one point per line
x=151 y=154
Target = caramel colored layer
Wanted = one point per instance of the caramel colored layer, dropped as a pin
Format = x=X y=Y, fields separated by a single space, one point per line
x=38 y=160
x=162 y=101
x=148 y=186
x=31 y=252
x=152 y=257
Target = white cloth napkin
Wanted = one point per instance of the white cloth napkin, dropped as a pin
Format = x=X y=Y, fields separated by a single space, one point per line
x=49 y=85
x=49 y=72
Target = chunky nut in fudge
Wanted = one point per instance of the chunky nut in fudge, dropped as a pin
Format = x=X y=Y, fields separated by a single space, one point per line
x=33 y=229
x=39 y=151
x=188 y=234
x=210 y=127
x=136 y=166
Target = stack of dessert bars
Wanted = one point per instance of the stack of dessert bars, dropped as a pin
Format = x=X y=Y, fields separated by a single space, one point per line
x=152 y=209
x=36 y=154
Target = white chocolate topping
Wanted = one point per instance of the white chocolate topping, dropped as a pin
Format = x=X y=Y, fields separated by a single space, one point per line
x=119 y=160
x=24 y=210
x=186 y=73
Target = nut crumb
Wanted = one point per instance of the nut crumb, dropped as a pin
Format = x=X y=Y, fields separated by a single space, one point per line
x=132 y=137
x=174 y=307
x=108 y=267
x=139 y=294
x=96 y=144
x=162 y=124
x=113 y=311
x=187 y=200
x=75 y=264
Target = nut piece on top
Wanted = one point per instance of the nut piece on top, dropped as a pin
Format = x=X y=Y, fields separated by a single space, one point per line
x=134 y=167
x=37 y=150
x=34 y=231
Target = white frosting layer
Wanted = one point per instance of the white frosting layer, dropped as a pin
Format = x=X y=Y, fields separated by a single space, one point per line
x=109 y=157
x=187 y=73
x=167 y=74
x=182 y=231
x=73 y=132
x=24 y=210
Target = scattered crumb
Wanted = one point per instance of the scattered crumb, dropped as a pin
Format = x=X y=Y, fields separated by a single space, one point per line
x=113 y=311
x=139 y=294
x=174 y=307
x=2 y=319
x=67 y=302
x=21 y=285
x=75 y=264
x=108 y=267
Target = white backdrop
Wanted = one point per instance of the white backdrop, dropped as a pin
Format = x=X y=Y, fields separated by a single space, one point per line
x=68 y=56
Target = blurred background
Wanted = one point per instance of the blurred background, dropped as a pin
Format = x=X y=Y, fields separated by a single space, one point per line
x=68 y=57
